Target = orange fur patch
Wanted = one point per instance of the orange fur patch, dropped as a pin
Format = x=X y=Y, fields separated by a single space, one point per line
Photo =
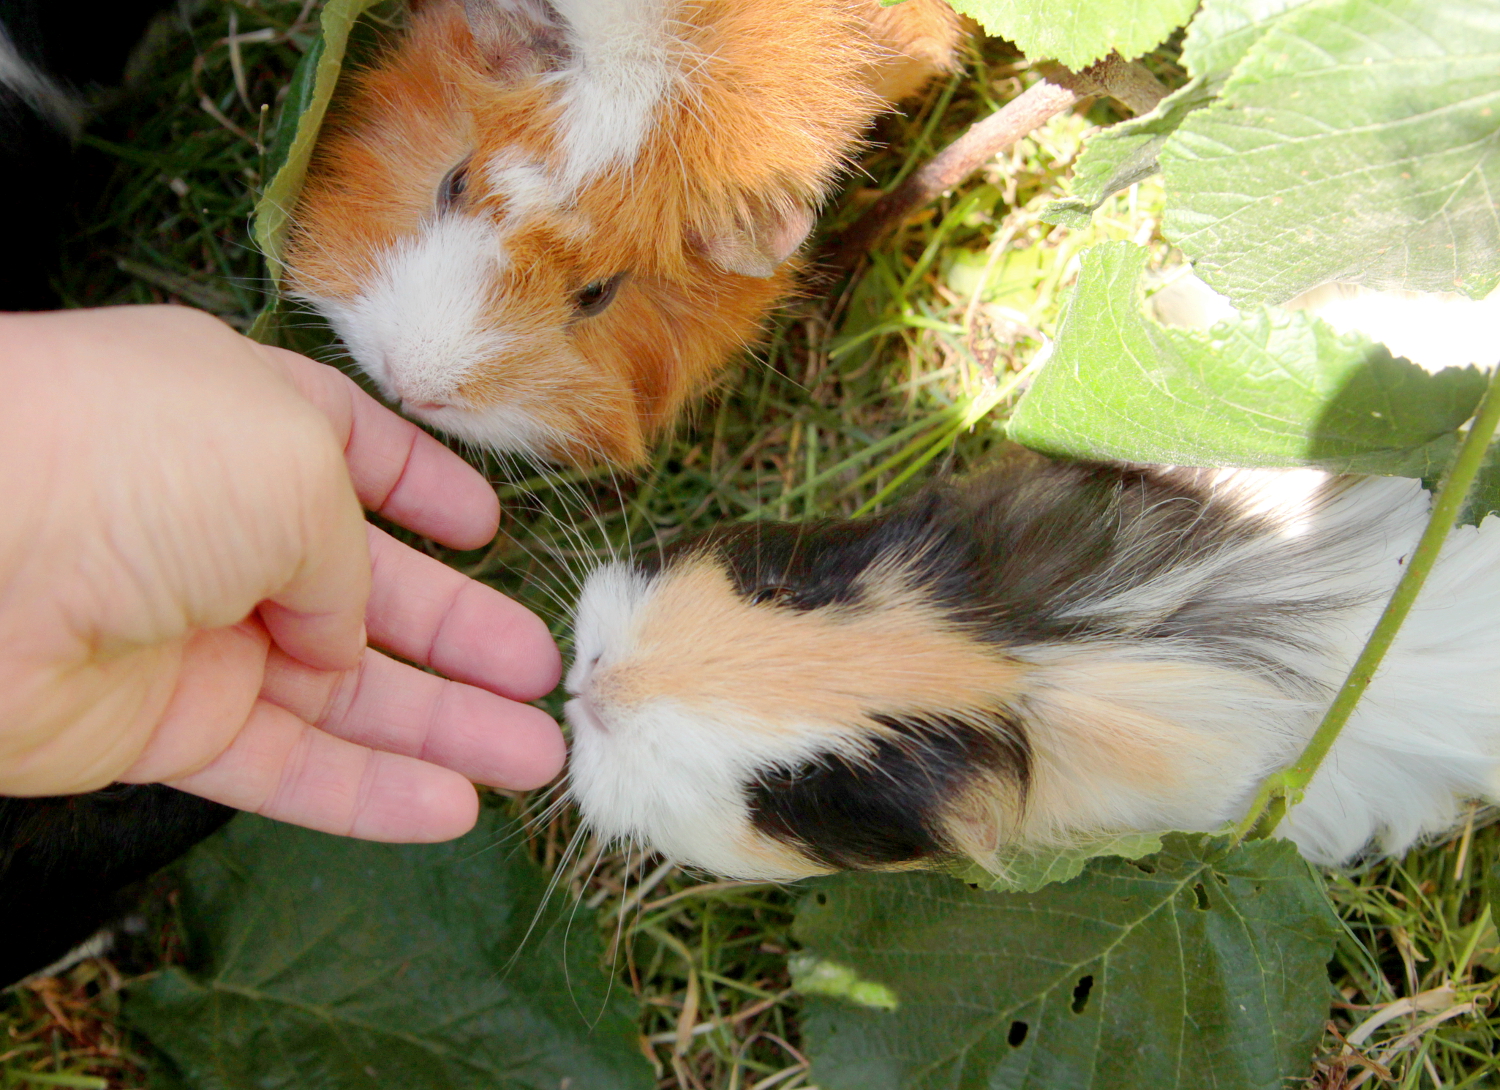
x=769 y=101
x=698 y=643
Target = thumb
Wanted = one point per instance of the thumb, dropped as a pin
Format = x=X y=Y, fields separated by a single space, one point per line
x=318 y=616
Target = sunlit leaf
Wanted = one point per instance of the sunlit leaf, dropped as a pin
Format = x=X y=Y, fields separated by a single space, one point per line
x=1357 y=140
x=1077 y=35
x=1124 y=154
x=1268 y=389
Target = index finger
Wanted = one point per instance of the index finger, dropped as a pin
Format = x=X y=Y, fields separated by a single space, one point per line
x=398 y=470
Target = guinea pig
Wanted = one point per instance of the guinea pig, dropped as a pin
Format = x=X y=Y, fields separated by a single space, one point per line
x=1041 y=652
x=543 y=225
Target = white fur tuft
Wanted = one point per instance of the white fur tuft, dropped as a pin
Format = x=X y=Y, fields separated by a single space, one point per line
x=40 y=91
x=525 y=183
x=419 y=327
x=619 y=73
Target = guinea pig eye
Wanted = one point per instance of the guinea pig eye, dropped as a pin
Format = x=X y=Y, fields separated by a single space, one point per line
x=775 y=594
x=598 y=295
x=453 y=186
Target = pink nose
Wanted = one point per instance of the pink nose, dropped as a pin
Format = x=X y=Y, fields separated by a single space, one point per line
x=421 y=406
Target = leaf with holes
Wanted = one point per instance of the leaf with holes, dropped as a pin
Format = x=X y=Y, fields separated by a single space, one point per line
x=323 y=963
x=1080 y=34
x=1202 y=966
x=1265 y=389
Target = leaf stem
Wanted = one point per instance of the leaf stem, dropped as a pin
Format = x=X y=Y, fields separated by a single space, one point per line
x=1284 y=788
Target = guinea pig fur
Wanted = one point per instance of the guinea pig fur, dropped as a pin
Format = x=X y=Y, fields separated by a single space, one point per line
x=1044 y=651
x=543 y=225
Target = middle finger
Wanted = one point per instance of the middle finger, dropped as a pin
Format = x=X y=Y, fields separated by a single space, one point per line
x=387 y=705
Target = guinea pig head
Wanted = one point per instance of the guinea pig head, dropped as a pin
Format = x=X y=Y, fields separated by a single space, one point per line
x=776 y=701
x=543 y=225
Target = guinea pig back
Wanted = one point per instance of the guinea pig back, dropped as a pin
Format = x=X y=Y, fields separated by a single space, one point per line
x=1042 y=652
x=543 y=225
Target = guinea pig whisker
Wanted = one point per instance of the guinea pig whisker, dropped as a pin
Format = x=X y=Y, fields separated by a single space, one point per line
x=552 y=884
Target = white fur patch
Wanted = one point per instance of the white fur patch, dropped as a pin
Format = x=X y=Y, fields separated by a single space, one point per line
x=525 y=183
x=420 y=327
x=666 y=774
x=1432 y=329
x=620 y=71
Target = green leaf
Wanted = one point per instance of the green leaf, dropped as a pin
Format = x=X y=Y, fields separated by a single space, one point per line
x=1126 y=153
x=1357 y=140
x=1224 y=30
x=1269 y=389
x=1484 y=498
x=1019 y=871
x=1077 y=35
x=322 y=963
x=1123 y=154
x=298 y=125
x=1203 y=966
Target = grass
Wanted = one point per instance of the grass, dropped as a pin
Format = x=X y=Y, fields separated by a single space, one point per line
x=855 y=398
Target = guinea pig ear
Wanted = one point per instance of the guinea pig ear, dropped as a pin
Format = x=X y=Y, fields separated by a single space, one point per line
x=516 y=36
x=758 y=244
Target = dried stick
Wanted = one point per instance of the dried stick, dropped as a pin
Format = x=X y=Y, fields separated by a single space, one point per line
x=1126 y=81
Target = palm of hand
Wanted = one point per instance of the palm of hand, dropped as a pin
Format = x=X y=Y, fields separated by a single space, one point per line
x=186 y=600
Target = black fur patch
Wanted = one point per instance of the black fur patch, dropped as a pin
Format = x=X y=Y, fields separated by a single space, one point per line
x=1034 y=550
x=812 y=564
x=64 y=860
x=886 y=807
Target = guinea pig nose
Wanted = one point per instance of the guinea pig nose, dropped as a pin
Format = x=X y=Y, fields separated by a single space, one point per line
x=421 y=406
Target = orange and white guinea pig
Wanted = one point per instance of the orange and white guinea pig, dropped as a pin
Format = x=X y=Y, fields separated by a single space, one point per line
x=1043 y=651
x=543 y=225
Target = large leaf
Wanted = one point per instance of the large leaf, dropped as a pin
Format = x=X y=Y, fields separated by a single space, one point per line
x=1028 y=870
x=1357 y=140
x=1123 y=154
x=1201 y=967
x=1080 y=34
x=321 y=963
x=1224 y=30
x=1269 y=389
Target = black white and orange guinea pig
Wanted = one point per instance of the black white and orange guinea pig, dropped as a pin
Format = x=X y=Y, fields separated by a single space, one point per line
x=1043 y=650
x=543 y=225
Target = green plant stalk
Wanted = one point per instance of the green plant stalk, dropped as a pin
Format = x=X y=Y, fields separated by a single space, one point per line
x=1284 y=788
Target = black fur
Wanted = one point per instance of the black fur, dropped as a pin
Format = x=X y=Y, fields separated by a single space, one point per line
x=887 y=807
x=64 y=860
x=80 y=45
x=1028 y=552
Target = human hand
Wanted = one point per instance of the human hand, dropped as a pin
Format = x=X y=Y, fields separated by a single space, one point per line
x=186 y=576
